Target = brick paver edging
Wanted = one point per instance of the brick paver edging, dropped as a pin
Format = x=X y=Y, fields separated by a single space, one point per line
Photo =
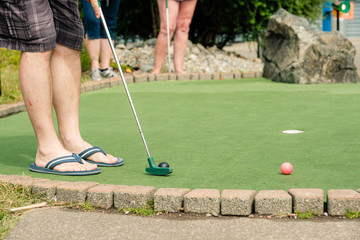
x=202 y=201
x=9 y=109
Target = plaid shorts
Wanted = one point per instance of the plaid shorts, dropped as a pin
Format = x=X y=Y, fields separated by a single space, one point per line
x=38 y=25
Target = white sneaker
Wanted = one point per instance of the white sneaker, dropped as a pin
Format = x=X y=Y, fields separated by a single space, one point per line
x=108 y=73
x=95 y=75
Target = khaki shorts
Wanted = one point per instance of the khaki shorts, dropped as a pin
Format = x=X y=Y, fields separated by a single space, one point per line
x=38 y=25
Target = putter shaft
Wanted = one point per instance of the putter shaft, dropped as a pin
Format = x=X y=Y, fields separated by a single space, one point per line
x=123 y=80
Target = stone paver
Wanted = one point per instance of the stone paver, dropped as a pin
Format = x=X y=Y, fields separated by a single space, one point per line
x=259 y=74
x=172 y=76
x=237 y=202
x=162 y=77
x=308 y=200
x=249 y=75
x=273 y=202
x=227 y=76
x=341 y=200
x=133 y=196
x=140 y=77
x=169 y=199
x=237 y=75
x=46 y=188
x=205 y=76
x=194 y=76
x=102 y=195
x=182 y=77
x=26 y=182
x=129 y=78
x=216 y=76
x=202 y=201
x=73 y=191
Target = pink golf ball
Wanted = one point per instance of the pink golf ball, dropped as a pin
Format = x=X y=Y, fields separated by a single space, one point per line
x=286 y=168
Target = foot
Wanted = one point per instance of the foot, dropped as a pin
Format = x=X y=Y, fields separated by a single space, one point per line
x=43 y=157
x=108 y=72
x=95 y=75
x=80 y=146
x=180 y=72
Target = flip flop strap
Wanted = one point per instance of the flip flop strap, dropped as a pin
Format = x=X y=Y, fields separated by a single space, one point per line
x=66 y=159
x=90 y=151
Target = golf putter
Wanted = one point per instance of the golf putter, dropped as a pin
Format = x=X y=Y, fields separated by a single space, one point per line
x=152 y=169
x=168 y=34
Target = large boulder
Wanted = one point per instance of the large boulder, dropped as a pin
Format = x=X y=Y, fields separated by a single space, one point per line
x=295 y=53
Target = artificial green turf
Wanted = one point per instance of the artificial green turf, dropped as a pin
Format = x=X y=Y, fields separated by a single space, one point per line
x=215 y=134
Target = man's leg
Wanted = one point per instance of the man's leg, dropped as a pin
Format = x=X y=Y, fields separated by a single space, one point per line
x=66 y=73
x=36 y=89
x=161 y=43
x=183 y=22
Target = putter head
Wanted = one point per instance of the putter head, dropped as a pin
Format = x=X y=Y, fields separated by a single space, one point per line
x=155 y=170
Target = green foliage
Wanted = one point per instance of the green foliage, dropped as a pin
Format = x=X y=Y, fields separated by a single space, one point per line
x=85 y=60
x=352 y=214
x=87 y=206
x=305 y=215
x=9 y=83
x=214 y=23
x=137 y=19
x=219 y=22
x=144 y=211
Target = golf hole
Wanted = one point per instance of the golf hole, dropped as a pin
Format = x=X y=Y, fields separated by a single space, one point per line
x=292 y=131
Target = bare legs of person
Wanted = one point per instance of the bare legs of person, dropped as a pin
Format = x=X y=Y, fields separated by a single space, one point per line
x=56 y=82
x=94 y=48
x=180 y=16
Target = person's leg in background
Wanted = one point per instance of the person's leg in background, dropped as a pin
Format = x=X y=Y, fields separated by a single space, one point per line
x=110 y=10
x=186 y=12
x=161 y=42
x=92 y=39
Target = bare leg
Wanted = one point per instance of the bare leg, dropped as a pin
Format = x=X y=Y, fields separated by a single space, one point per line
x=93 y=47
x=161 y=43
x=66 y=72
x=183 y=22
x=36 y=90
x=105 y=53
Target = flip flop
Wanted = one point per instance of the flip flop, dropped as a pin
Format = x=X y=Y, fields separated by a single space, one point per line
x=49 y=168
x=90 y=151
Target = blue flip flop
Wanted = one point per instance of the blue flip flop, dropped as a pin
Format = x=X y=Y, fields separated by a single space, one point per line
x=49 y=168
x=90 y=151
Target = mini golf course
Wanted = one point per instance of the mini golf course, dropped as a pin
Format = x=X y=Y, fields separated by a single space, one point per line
x=215 y=134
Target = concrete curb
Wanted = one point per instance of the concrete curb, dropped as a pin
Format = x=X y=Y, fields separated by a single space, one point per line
x=10 y=109
x=232 y=202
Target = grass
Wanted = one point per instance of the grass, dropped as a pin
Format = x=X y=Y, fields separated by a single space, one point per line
x=12 y=197
x=352 y=214
x=305 y=215
x=9 y=64
x=215 y=134
x=144 y=211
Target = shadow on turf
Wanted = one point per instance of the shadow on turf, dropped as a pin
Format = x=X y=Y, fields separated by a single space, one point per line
x=17 y=151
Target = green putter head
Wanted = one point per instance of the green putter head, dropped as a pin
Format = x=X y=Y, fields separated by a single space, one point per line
x=155 y=170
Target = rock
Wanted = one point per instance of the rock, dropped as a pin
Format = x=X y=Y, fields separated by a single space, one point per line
x=295 y=53
x=130 y=46
x=151 y=42
x=197 y=59
x=139 y=44
x=146 y=68
x=120 y=46
x=195 y=50
x=193 y=57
